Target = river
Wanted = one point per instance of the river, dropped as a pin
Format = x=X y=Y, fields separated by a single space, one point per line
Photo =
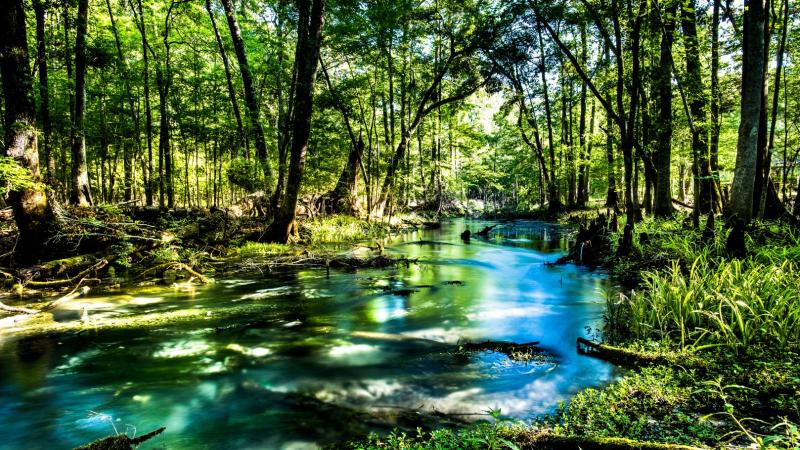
x=331 y=356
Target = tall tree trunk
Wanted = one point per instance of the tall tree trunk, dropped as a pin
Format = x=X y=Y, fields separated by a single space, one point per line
x=309 y=40
x=81 y=194
x=149 y=186
x=127 y=163
x=228 y=76
x=663 y=140
x=583 y=162
x=166 y=196
x=741 y=199
x=715 y=93
x=773 y=207
x=253 y=109
x=343 y=196
x=697 y=105
x=44 y=89
x=32 y=212
x=555 y=200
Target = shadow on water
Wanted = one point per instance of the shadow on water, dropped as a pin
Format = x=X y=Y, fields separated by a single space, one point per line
x=329 y=358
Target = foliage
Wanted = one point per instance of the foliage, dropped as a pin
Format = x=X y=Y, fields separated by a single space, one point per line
x=245 y=173
x=13 y=175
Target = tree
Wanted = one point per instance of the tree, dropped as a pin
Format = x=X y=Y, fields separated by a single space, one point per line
x=228 y=76
x=81 y=194
x=33 y=212
x=753 y=77
x=253 y=109
x=662 y=157
x=309 y=41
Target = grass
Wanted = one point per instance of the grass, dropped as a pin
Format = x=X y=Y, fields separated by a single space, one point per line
x=341 y=230
x=733 y=303
x=256 y=249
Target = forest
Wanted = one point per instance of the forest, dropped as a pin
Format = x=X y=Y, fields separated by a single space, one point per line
x=400 y=224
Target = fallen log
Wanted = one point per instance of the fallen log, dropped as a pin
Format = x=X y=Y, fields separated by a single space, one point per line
x=176 y=266
x=16 y=309
x=547 y=441
x=121 y=442
x=72 y=280
x=61 y=266
x=514 y=351
x=619 y=355
x=485 y=232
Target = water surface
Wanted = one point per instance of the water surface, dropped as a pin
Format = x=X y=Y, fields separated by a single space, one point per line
x=331 y=356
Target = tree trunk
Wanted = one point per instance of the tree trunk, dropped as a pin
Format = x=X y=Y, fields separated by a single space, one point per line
x=697 y=105
x=583 y=161
x=741 y=199
x=148 y=124
x=309 y=40
x=32 y=212
x=773 y=208
x=663 y=91
x=228 y=77
x=343 y=197
x=44 y=90
x=253 y=109
x=715 y=94
x=555 y=200
x=81 y=194
x=127 y=163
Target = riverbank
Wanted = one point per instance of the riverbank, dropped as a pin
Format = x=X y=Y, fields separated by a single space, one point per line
x=726 y=330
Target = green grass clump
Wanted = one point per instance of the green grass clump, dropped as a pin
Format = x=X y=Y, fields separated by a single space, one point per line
x=730 y=303
x=255 y=249
x=340 y=229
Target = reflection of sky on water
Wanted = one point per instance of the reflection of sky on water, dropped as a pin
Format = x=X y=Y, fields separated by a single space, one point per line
x=323 y=350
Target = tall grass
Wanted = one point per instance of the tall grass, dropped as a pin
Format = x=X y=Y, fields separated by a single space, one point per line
x=731 y=303
x=341 y=229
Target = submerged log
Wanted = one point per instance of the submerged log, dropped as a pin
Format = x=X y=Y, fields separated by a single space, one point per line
x=121 y=442
x=546 y=441
x=485 y=232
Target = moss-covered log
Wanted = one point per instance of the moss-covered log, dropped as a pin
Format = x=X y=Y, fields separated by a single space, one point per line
x=627 y=357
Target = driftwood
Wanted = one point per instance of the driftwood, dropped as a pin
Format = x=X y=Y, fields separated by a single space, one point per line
x=547 y=441
x=121 y=442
